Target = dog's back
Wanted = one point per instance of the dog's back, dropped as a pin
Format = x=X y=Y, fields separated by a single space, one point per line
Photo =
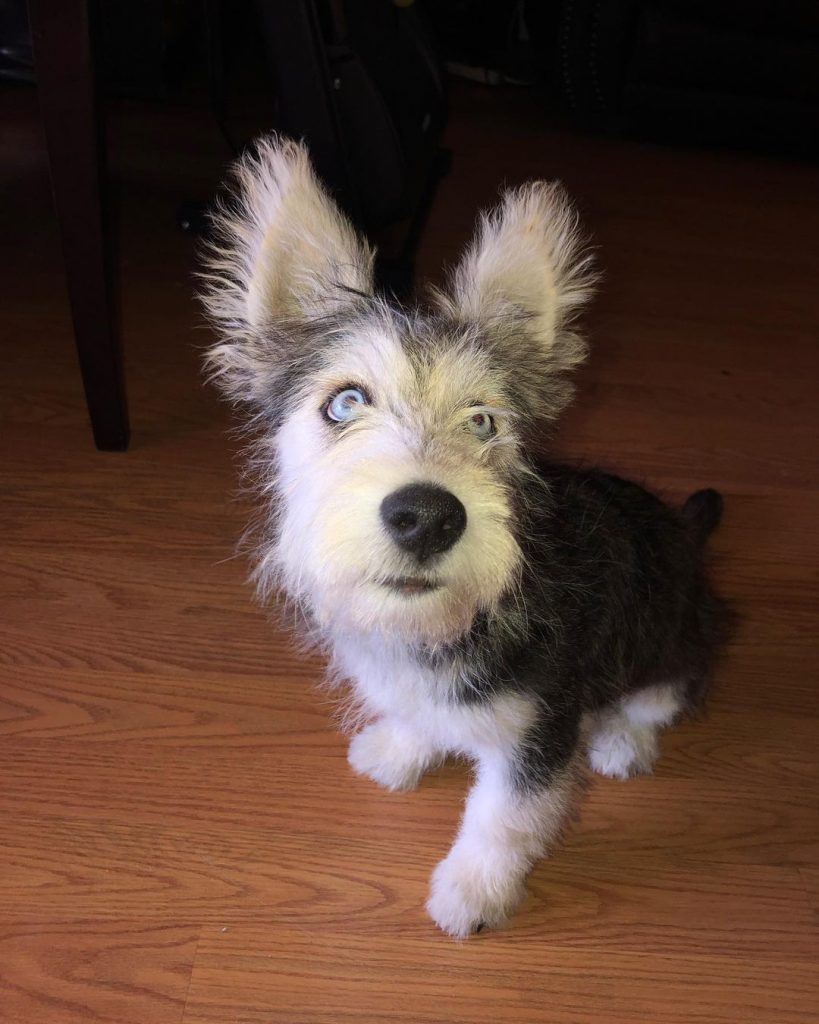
x=624 y=574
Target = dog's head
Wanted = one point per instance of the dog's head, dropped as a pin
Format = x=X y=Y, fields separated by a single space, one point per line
x=392 y=442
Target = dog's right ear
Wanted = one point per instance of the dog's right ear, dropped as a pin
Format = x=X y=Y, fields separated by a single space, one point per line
x=283 y=255
x=527 y=268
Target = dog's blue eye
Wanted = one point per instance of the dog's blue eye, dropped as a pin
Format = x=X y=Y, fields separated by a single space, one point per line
x=482 y=425
x=343 y=405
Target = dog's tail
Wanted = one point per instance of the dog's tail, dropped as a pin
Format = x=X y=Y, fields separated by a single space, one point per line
x=702 y=512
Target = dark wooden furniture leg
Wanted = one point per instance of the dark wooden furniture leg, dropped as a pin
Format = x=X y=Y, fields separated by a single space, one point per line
x=65 y=79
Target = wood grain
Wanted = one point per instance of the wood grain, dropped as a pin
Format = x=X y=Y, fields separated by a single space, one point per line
x=241 y=975
x=124 y=971
x=180 y=837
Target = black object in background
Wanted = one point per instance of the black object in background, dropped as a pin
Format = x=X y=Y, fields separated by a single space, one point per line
x=16 y=57
x=141 y=46
x=488 y=41
x=710 y=72
x=360 y=81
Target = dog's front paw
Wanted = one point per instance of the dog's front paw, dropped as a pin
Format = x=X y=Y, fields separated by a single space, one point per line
x=388 y=755
x=469 y=892
x=623 y=750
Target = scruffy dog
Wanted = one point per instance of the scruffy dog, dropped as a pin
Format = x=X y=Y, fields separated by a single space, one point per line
x=480 y=602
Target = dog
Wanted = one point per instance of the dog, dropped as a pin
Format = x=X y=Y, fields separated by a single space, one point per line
x=480 y=602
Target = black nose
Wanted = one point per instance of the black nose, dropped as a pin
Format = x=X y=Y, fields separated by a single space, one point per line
x=423 y=519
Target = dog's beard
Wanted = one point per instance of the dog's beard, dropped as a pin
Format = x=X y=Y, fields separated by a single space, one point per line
x=413 y=611
x=333 y=555
x=361 y=583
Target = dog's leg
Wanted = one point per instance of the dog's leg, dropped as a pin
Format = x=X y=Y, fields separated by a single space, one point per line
x=392 y=753
x=507 y=826
x=623 y=738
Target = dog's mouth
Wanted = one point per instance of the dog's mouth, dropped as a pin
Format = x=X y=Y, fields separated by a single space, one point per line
x=411 y=585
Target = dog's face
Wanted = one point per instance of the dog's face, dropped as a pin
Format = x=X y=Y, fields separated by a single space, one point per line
x=396 y=466
x=392 y=442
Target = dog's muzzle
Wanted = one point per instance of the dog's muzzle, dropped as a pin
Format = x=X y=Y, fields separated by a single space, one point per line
x=423 y=519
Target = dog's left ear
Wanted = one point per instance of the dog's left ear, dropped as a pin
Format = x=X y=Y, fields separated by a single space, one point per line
x=527 y=263
x=283 y=255
x=283 y=249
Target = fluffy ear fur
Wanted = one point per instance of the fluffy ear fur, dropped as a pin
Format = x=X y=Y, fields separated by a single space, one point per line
x=527 y=261
x=283 y=255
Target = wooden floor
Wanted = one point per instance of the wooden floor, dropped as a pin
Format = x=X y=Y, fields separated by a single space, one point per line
x=181 y=839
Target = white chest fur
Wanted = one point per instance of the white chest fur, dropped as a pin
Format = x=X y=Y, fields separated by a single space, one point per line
x=390 y=683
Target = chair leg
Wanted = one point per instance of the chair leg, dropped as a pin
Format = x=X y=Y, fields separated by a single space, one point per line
x=74 y=136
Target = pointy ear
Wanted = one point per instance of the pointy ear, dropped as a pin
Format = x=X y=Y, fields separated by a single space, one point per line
x=283 y=249
x=527 y=260
x=283 y=255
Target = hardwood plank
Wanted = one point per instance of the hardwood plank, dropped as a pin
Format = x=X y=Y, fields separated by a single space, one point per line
x=762 y=820
x=244 y=973
x=648 y=900
x=119 y=972
x=810 y=879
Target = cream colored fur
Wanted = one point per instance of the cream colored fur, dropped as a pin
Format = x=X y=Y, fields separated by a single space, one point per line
x=528 y=255
x=285 y=259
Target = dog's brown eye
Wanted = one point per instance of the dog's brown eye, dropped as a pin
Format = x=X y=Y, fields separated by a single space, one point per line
x=482 y=425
